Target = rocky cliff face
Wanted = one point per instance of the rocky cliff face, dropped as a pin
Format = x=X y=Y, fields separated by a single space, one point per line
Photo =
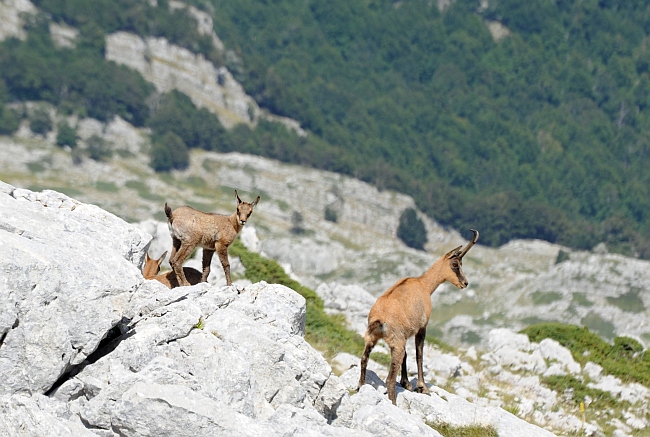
x=88 y=347
x=11 y=17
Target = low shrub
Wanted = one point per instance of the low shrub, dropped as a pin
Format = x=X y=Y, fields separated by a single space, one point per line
x=624 y=359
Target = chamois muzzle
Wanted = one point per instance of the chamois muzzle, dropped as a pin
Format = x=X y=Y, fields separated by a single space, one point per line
x=469 y=245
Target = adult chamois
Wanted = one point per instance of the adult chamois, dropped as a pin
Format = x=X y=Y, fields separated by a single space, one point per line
x=152 y=267
x=404 y=310
x=191 y=228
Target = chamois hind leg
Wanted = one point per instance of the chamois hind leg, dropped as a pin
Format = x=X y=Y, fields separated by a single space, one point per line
x=180 y=252
x=419 y=349
x=373 y=334
x=176 y=244
x=404 y=381
x=396 y=358
x=207 y=261
x=222 y=251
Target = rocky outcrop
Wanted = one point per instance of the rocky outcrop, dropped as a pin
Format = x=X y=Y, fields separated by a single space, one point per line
x=11 y=18
x=57 y=257
x=88 y=347
x=170 y=67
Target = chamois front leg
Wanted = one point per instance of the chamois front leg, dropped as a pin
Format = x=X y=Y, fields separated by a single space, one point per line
x=179 y=254
x=222 y=251
x=404 y=381
x=207 y=261
x=396 y=358
x=419 y=349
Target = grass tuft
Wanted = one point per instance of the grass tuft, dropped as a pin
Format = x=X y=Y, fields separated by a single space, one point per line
x=464 y=431
x=625 y=358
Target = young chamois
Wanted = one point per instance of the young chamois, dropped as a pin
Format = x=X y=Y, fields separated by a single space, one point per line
x=190 y=228
x=152 y=267
x=404 y=310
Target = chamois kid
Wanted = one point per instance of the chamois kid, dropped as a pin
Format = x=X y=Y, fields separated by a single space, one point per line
x=404 y=310
x=191 y=228
x=152 y=267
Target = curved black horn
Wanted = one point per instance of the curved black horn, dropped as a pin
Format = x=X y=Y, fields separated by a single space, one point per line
x=470 y=244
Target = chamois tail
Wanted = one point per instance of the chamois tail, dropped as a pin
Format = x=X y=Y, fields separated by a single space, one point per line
x=168 y=212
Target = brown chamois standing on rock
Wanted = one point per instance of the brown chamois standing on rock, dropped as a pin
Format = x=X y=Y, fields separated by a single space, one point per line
x=191 y=228
x=152 y=267
x=404 y=310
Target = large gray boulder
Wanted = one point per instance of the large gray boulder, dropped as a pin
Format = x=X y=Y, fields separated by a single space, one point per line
x=68 y=272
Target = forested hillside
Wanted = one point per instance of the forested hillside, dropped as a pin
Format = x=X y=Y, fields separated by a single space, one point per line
x=542 y=133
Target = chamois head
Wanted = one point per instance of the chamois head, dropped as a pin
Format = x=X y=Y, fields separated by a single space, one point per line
x=244 y=209
x=152 y=266
x=454 y=272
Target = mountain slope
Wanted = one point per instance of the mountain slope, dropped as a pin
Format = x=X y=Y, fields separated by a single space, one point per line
x=489 y=129
x=538 y=131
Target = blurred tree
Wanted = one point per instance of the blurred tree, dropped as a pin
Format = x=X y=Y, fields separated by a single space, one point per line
x=98 y=148
x=411 y=229
x=40 y=121
x=66 y=135
x=169 y=152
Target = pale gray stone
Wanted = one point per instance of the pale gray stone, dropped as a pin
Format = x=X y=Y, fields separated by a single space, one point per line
x=442 y=407
x=37 y=416
x=55 y=256
x=555 y=352
x=371 y=411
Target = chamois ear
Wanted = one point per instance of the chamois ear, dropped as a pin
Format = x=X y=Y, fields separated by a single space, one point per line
x=147 y=258
x=452 y=253
x=237 y=197
x=162 y=258
x=255 y=202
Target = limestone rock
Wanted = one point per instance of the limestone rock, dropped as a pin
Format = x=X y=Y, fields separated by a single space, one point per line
x=11 y=18
x=57 y=256
x=88 y=347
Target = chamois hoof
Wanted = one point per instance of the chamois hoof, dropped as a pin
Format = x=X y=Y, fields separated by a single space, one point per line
x=423 y=390
x=407 y=385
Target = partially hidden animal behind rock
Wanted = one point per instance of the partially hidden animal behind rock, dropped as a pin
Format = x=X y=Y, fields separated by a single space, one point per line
x=403 y=311
x=190 y=228
x=151 y=270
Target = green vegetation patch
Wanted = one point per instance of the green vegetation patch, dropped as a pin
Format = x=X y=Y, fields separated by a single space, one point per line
x=108 y=187
x=596 y=323
x=581 y=300
x=625 y=358
x=143 y=190
x=35 y=167
x=545 y=298
x=629 y=302
x=464 y=431
x=578 y=391
x=470 y=337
